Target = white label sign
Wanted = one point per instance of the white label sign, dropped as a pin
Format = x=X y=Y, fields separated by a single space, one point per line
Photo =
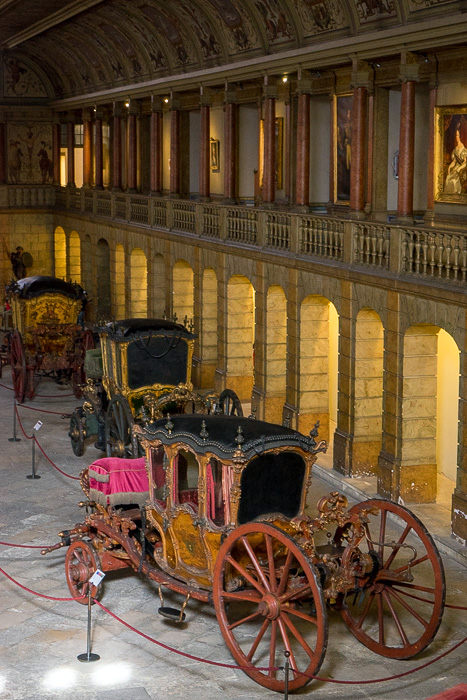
x=97 y=577
x=38 y=425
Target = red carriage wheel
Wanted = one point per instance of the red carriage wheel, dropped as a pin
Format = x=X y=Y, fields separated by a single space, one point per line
x=268 y=600
x=81 y=562
x=398 y=612
x=18 y=366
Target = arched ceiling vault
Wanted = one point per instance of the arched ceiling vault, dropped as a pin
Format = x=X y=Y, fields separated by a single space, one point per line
x=86 y=49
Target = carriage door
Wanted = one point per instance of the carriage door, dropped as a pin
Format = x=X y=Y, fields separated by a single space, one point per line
x=186 y=523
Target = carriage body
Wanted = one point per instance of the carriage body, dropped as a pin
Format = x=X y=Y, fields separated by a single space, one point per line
x=141 y=360
x=46 y=338
x=217 y=510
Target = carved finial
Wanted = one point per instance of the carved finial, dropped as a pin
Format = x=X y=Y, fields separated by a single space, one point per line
x=314 y=434
x=204 y=433
x=239 y=440
x=169 y=425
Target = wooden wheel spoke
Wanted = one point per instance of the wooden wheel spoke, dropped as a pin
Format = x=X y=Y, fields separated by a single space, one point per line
x=366 y=609
x=310 y=652
x=285 y=639
x=258 y=639
x=248 y=618
x=382 y=533
x=395 y=617
x=412 y=564
x=244 y=573
x=272 y=650
x=248 y=596
x=302 y=615
x=408 y=607
x=285 y=573
x=395 y=551
x=295 y=595
x=256 y=564
x=415 y=587
x=380 y=619
x=271 y=562
x=429 y=601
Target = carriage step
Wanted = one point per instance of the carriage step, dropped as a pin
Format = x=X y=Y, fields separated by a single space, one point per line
x=172 y=614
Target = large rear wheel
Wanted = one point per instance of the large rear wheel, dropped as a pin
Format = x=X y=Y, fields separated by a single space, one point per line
x=18 y=366
x=268 y=601
x=118 y=424
x=399 y=611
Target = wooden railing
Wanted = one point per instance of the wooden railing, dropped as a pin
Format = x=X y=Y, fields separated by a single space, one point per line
x=418 y=252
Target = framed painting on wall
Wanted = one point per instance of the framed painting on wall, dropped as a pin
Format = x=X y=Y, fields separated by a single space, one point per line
x=215 y=154
x=451 y=154
x=279 y=145
x=342 y=147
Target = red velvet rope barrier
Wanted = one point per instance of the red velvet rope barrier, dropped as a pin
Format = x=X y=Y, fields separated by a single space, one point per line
x=42 y=396
x=43 y=410
x=40 y=595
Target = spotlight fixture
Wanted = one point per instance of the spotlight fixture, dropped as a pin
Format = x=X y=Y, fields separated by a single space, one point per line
x=284 y=78
x=127 y=104
x=166 y=100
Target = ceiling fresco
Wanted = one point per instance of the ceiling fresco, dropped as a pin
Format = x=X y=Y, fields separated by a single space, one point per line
x=63 y=52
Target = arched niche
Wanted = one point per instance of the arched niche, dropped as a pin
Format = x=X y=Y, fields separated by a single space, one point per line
x=182 y=291
x=430 y=414
x=159 y=286
x=319 y=332
x=119 y=283
x=138 y=284
x=60 y=253
x=276 y=353
x=240 y=336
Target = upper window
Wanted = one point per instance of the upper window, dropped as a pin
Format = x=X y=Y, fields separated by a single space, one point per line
x=186 y=472
x=215 y=497
x=158 y=462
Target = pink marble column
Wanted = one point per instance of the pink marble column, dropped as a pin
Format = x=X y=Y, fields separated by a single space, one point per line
x=87 y=149
x=175 y=152
x=269 y=171
x=230 y=152
x=132 y=172
x=117 y=148
x=302 y=189
x=406 y=152
x=204 y=154
x=56 y=150
x=358 y=141
x=156 y=148
x=98 y=153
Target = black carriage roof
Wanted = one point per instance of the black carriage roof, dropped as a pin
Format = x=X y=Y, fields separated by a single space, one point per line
x=30 y=287
x=223 y=435
x=128 y=327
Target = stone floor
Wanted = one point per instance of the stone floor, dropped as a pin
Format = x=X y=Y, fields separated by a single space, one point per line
x=40 y=639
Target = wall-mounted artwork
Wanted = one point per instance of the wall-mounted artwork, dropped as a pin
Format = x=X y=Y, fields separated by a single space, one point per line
x=215 y=155
x=29 y=153
x=279 y=146
x=451 y=154
x=342 y=147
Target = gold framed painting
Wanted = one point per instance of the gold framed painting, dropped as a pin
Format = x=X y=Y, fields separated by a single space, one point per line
x=451 y=154
x=215 y=154
x=279 y=146
x=342 y=147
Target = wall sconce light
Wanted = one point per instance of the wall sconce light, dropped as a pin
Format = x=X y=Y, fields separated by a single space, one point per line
x=127 y=104
x=166 y=100
x=284 y=78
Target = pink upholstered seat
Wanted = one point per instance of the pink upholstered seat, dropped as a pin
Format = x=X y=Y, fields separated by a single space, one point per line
x=114 y=481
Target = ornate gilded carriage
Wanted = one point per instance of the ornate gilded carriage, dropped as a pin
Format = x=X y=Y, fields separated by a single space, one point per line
x=46 y=338
x=216 y=511
x=145 y=371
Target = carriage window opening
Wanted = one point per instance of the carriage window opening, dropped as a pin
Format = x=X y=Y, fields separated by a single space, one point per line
x=158 y=461
x=271 y=483
x=215 y=497
x=186 y=479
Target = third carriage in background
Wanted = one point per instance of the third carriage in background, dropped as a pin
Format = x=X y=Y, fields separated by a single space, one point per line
x=46 y=339
x=141 y=371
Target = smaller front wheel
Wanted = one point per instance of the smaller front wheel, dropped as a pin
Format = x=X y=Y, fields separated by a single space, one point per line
x=81 y=562
x=118 y=425
x=230 y=404
x=77 y=431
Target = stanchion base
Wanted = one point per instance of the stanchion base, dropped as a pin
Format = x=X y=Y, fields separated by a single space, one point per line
x=88 y=657
x=14 y=439
x=33 y=476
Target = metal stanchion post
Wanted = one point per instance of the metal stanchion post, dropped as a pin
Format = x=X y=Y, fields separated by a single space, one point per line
x=14 y=438
x=286 y=670
x=94 y=581
x=88 y=656
x=33 y=475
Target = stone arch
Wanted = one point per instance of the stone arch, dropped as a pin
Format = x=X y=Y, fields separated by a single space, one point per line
x=319 y=331
x=240 y=335
x=276 y=353
x=182 y=292
x=103 y=280
x=430 y=412
x=159 y=286
x=138 y=284
x=208 y=329
x=60 y=253
x=368 y=407
x=120 y=292
x=74 y=248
